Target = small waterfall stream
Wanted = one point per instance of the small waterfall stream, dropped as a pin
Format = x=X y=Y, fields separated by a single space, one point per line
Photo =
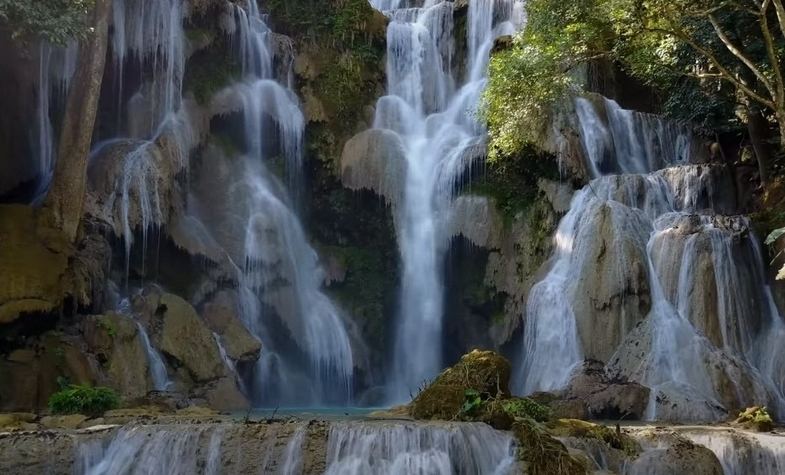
x=57 y=65
x=432 y=112
x=308 y=355
x=341 y=448
x=675 y=239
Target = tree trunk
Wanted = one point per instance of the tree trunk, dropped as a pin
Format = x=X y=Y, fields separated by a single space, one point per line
x=758 y=129
x=66 y=197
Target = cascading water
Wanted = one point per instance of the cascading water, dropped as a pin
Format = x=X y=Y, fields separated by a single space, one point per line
x=308 y=355
x=711 y=314
x=432 y=113
x=743 y=453
x=56 y=68
x=395 y=448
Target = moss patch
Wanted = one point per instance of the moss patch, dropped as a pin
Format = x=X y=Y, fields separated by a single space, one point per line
x=588 y=430
x=543 y=454
x=483 y=373
x=33 y=263
x=512 y=183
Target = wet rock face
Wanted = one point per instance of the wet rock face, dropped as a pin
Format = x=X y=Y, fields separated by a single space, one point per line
x=182 y=336
x=668 y=453
x=29 y=375
x=375 y=160
x=222 y=316
x=116 y=342
x=594 y=394
x=485 y=372
x=611 y=292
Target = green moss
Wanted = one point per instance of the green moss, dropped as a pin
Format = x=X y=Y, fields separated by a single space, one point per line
x=543 y=454
x=588 y=430
x=527 y=408
x=512 y=183
x=210 y=70
x=363 y=291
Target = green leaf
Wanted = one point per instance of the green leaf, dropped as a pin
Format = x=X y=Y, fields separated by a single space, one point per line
x=776 y=234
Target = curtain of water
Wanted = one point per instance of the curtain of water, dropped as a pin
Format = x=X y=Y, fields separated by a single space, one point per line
x=433 y=114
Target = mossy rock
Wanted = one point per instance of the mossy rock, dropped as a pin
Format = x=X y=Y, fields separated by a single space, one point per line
x=33 y=263
x=755 y=418
x=587 y=430
x=484 y=372
x=542 y=454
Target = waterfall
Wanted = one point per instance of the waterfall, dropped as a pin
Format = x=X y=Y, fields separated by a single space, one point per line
x=708 y=333
x=57 y=66
x=307 y=358
x=158 y=372
x=743 y=453
x=147 y=449
x=385 y=448
x=433 y=114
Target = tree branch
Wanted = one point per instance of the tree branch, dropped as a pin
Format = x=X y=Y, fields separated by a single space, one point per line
x=740 y=55
x=779 y=98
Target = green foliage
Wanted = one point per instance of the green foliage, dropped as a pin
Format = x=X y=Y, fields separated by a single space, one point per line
x=472 y=402
x=337 y=21
x=525 y=407
x=671 y=46
x=770 y=241
x=208 y=71
x=757 y=418
x=108 y=327
x=56 y=20
x=512 y=182
x=88 y=400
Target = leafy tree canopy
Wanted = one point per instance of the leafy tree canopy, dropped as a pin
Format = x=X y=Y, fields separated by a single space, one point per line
x=55 y=20
x=705 y=55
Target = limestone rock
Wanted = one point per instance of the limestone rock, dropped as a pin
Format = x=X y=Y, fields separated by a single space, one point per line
x=483 y=371
x=116 y=341
x=221 y=315
x=611 y=291
x=33 y=262
x=375 y=160
x=30 y=375
x=604 y=397
x=184 y=337
x=72 y=422
x=679 y=456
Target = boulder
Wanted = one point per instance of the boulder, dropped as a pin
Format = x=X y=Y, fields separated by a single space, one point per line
x=610 y=294
x=221 y=314
x=72 y=422
x=116 y=341
x=485 y=372
x=671 y=454
x=604 y=397
x=375 y=160
x=542 y=454
x=184 y=337
x=31 y=375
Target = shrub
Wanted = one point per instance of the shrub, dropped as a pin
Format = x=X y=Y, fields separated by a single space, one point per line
x=88 y=400
x=528 y=408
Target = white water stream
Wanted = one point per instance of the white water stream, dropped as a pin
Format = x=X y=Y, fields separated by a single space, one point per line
x=430 y=104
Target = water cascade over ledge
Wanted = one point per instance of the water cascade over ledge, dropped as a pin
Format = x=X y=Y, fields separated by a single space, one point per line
x=432 y=97
x=654 y=275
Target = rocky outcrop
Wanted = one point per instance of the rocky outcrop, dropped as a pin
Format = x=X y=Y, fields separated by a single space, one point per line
x=31 y=374
x=485 y=372
x=593 y=394
x=115 y=341
x=181 y=335
x=375 y=160
x=611 y=289
x=670 y=454
x=221 y=315
x=33 y=263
